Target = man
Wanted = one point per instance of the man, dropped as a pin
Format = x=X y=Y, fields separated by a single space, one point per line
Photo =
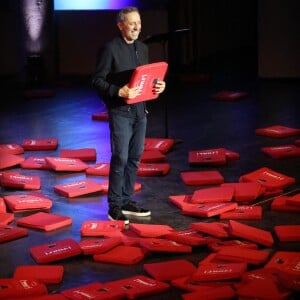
x=127 y=122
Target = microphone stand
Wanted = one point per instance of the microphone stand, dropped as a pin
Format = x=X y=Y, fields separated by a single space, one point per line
x=163 y=38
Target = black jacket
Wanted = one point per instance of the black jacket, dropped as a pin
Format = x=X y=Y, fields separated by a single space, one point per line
x=114 y=67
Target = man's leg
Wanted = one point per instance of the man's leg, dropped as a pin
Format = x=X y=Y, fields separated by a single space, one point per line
x=120 y=133
x=136 y=148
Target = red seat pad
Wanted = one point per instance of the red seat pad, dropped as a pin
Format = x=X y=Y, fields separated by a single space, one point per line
x=288 y=233
x=169 y=270
x=30 y=201
x=99 y=244
x=11 y=148
x=162 y=144
x=78 y=188
x=202 y=177
x=130 y=238
x=261 y=289
x=102 y=228
x=40 y=144
x=94 y=290
x=144 y=78
x=14 y=288
x=181 y=200
x=150 y=230
x=213 y=195
x=210 y=258
x=228 y=95
x=99 y=169
x=211 y=292
x=238 y=254
x=164 y=245
x=100 y=116
x=231 y=155
x=289 y=281
x=284 y=151
x=293 y=199
x=286 y=261
x=44 y=221
x=243 y=212
x=84 y=154
x=6 y=218
x=2 y=205
x=245 y=191
x=277 y=131
x=214 y=157
x=216 y=272
x=207 y=210
x=216 y=229
x=189 y=237
x=251 y=233
x=54 y=251
x=282 y=203
x=121 y=254
x=48 y=274
x=35 y=163
x=269 y=178
x=186 y=283
x=66 y=164
x=220 y=244
x=9 y=160
x=20 y=181
x=154 y=155
x=9 y=233
x=137 y=286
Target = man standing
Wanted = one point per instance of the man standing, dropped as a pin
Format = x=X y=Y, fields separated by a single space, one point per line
x=127 y=122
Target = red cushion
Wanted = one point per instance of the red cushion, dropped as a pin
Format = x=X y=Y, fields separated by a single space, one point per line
x=9 y=160
x=277 y=131
x=228 y=95
x=121 y=254
x=161 y=144
x=215 y=156
x=78 y=188
x=40 y=144
x=11 y=148
x=101 y=116
x=85 y=154
x=54 y=251
x=283 y=151
x=202 y=177
x=169 y=270
x=44 y=221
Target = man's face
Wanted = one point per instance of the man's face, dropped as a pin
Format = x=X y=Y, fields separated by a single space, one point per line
x=131 y=27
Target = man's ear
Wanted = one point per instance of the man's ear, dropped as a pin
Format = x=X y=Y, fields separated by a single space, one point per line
x=120 y=26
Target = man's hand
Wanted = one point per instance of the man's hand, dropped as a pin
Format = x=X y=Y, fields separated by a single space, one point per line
x=159 y=86
x=127 y=93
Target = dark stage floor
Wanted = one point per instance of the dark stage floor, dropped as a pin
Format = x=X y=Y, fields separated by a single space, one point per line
x=185 y=113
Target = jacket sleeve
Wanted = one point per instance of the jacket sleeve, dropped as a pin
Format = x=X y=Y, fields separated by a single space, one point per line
x=100 y=76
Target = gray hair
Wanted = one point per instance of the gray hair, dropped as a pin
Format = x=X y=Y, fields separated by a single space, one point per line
x=121 y=16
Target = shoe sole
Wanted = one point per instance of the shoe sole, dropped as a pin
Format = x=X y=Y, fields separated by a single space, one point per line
x=112 y=219
x=136 y=214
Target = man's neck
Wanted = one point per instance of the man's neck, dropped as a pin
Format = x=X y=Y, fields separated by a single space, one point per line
x=128 y=41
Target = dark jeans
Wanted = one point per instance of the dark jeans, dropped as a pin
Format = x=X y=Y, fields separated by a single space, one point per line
x=127 y=137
